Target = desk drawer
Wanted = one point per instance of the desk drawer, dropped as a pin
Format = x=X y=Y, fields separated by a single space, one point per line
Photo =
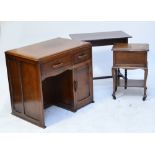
x=82 y=56
x=133 y=58
x=56 y=65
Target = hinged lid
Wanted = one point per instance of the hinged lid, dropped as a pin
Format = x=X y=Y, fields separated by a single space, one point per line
x=130 y=47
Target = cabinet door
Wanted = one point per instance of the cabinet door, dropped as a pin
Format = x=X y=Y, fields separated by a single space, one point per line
x=83 y=85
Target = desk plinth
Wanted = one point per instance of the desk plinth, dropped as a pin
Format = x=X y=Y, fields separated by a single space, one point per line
x=55 y=72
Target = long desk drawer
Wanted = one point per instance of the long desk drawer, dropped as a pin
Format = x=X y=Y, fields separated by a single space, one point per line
x=57 y=65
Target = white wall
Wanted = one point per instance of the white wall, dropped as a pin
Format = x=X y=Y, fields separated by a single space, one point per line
x=17 y=34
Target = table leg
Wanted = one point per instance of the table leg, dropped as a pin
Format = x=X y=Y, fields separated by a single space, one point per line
x=114 y=83
x=125 y=86
x=145 y=87
x=120 y=74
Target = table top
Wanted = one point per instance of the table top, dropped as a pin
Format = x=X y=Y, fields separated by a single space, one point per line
x=131 y=47
x=47 y=48
x=100 y=36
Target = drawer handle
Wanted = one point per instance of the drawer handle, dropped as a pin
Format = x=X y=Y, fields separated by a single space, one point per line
x=57 y=65
x=82 y=56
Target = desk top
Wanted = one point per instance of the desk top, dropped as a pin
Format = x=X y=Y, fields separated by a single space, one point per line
x=45 y=49
x=100 y=36
x=131 y=47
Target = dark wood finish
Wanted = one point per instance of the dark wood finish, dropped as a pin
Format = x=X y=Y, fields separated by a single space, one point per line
x=129 y=56
x=55 y=72
x=102 y=77
x=103 y=39
x=131 y=83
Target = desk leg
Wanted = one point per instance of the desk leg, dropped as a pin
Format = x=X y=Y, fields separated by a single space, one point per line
x=114 y=71
x=125 y=86
x=145 y=87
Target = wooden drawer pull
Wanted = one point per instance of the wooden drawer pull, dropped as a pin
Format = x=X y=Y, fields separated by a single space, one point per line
x=57 y=65
x=82 y=56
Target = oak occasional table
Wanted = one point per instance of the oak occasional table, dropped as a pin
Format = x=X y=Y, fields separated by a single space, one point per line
x=129 y=56
x=103 y=39
x=55 y=72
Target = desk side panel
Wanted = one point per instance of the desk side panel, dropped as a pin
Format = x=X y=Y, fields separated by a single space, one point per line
x=25 y=89
x=33 y=106
x=14 y=78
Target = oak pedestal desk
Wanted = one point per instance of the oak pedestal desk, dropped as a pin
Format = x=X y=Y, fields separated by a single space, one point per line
x=55 y=72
